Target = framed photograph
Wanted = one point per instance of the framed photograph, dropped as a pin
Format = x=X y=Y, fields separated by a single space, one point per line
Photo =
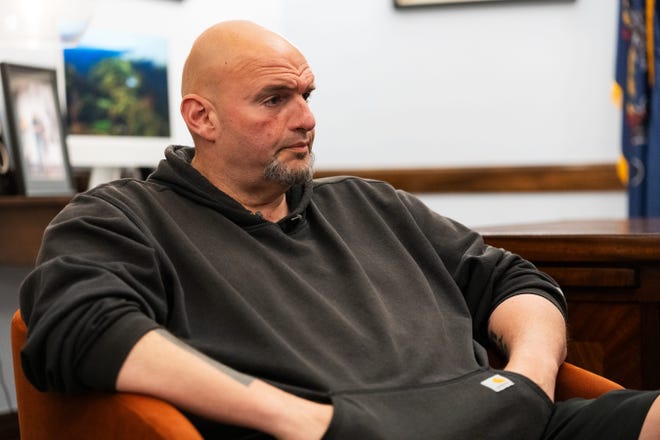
x=34 y=131
x=116 y=85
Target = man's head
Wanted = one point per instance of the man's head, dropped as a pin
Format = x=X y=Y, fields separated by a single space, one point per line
x=245 y=92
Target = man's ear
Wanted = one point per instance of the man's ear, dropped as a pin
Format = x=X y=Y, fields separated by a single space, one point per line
x=198 y=116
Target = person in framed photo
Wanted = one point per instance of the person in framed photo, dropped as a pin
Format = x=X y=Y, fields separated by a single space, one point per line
x=39 y=135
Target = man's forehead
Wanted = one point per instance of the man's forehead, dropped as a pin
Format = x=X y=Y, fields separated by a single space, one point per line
x=276 y=74
x=291 y=60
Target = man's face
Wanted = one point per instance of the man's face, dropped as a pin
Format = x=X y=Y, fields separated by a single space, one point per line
x=266 y=128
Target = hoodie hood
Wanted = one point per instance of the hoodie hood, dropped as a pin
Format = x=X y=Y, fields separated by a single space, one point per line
x=177 y=173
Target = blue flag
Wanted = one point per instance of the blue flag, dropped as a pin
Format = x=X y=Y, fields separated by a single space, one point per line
x=636 y=76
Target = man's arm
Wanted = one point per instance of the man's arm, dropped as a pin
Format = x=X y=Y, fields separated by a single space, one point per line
x=163 y=367
x=531 y=333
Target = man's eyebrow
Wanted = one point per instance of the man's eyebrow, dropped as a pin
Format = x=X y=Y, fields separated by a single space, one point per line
x=274 y=88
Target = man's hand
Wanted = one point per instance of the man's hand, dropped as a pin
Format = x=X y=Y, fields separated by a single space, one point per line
x=312 y=424
x=291 y=417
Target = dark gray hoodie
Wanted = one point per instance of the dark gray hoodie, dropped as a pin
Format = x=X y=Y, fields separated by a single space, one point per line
x=361 y=296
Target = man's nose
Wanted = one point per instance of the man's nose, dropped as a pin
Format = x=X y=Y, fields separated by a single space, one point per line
x=304 y=119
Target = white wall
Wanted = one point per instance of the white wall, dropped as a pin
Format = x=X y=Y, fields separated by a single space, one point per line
x=523 y=82
x=500 y=83
x=516 y=82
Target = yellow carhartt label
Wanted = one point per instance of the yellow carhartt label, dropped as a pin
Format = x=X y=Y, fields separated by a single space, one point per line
x=497 y=383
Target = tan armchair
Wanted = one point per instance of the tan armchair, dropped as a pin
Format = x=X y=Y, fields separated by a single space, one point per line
x=121 y=415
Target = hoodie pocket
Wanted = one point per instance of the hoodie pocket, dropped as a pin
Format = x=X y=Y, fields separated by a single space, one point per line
x=459 y=409
x=352 y=420
x=334 y=428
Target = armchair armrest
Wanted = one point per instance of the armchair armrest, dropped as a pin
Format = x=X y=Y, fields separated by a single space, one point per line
x=99 y=416
x=573 y=381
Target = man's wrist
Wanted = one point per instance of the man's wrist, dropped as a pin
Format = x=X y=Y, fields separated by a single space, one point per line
x=270 y=406
x=285 y=415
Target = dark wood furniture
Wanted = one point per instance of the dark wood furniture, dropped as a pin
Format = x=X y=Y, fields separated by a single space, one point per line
x=610 y=273
x=22 y=223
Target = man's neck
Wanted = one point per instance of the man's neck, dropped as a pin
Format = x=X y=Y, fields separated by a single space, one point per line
x=272 y=211
x=265 y=199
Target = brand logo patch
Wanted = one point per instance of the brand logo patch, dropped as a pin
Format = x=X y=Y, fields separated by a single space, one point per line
x=497 y=383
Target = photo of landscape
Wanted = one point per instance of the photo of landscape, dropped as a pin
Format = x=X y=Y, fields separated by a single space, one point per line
x=116 y=84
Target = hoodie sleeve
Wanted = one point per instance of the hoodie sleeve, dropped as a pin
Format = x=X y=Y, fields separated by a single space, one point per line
x=94 y=292
x=485 y=275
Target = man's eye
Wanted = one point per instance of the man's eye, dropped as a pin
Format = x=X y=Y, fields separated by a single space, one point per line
x=273 y=101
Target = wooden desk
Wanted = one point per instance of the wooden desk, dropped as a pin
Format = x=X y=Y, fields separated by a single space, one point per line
x=22 y=223
x=610 y=273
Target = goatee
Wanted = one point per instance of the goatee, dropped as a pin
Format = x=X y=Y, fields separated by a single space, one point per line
x=278 y=172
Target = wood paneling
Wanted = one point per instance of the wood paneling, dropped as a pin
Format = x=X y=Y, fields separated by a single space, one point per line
x=542 y=178
x=593 y=276
x=606 y=338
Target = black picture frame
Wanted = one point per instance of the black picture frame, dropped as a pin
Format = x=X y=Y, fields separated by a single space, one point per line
x=34 y=131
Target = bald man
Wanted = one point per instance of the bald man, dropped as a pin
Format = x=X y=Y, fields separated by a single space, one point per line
x=233 y=82
x=265 y=303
